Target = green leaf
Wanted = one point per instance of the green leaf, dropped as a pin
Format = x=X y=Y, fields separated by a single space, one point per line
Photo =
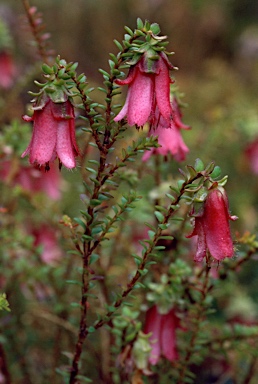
x=92 y=170
x=155 y=28
x=159 y=216
x=119 y=46
x=84 y=379
x=151 y=234
x=137 y=259
x=4 y=305
x=216 y=172
x=199 y=166
x=94 y=257
x=47 y=70
x=95 y=202
x=74 y=282
x=163 y=226
x=80 y=222
x=150 y=226
x=129 y=31
x=140 y=24
x=96 y=230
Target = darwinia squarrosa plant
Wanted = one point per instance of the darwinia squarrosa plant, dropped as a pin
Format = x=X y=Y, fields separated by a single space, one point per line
x=130 y=292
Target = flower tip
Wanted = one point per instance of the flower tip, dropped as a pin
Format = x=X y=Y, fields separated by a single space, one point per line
x=27 y=118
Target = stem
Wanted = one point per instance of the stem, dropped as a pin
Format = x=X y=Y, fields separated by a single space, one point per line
x=37 y=33
x=4 y=367
x=251 y=371
x=83 y=325
x=130 y=286
x=83 y=332
x=200 y=314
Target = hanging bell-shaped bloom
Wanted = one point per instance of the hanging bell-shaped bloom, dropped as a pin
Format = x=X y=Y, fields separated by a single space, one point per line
x=163 y=338
x=251 y=153
x=148 y=89
x=212 y=227
x=7 y=70
x=53 y=134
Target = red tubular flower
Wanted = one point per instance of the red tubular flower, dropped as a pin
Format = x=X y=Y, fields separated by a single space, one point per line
x=53 y=134
x=7 y=70
x=149 y=87
x=32 y=179
x=163 y=338
x=169 y=136
x=212 y=227
x=47 y=238
x=252 y=156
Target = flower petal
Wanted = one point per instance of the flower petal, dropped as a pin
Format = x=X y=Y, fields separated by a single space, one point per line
x=64 y=145
x=124 y=110
x=162 y=90
x=169 y=324
x=42 y=145
x=153 y=324
x=216 y=226
x=140 y=99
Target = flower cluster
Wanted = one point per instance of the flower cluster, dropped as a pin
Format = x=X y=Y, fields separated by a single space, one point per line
x=148 y=101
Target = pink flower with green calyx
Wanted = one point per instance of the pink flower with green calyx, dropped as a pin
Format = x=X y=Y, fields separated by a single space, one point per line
x=148 y=83
x=53 y=135
x=53 y=125
x=212 y=227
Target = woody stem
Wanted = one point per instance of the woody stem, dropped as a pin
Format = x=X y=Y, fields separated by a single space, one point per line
x=199 y=315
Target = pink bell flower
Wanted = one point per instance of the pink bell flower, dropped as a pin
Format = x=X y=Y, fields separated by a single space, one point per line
x=53 y=134
x=7 y=70
x=148 y=88
x=163 y=338
x=169 y=136
x=32 y=179
x=212 y=227
x=252 y=156
x=46 y=237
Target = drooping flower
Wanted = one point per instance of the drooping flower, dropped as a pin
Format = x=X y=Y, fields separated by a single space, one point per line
x=148 y=87
x=163 y=338
x=212 y=227
x=169 y=136
x=7 y=70
x=53 y=134
x=32 y=179
x=46 y=237
x=252 y=156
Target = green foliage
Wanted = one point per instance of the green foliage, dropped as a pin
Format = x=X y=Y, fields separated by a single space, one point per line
x=4 y=305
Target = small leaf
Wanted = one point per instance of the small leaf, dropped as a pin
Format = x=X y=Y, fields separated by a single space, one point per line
x=199 y=166
x=159 y=216
x=119 y=46
x=155 y=28
x=80 y=222
x=139 y=23
x=47 y=70
x=216 y=172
